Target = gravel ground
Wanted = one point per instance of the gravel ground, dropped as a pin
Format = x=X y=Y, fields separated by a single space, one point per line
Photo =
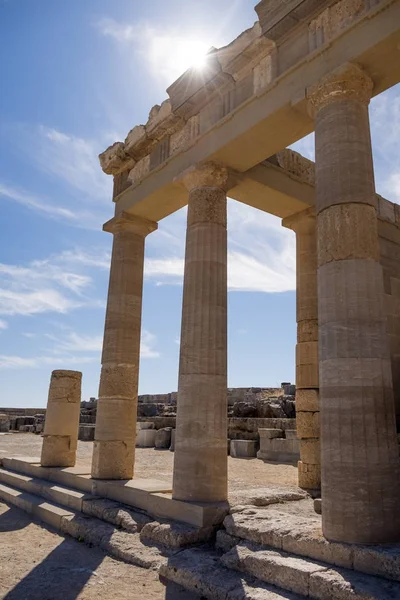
x=244 y=474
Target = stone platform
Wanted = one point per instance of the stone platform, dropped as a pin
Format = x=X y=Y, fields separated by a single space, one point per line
x=151 y=495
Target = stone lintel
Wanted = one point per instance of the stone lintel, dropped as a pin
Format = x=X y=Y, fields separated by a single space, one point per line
x=348 y=82
x=196 y=87
x=278 y=18
x=132 y=223
x=207 y=175
x=305 y=218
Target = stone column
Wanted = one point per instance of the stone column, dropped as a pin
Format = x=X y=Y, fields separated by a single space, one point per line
x=359 y=448
x=114 y=446
x=307 y=392
x=200 y=464
x=60 y=438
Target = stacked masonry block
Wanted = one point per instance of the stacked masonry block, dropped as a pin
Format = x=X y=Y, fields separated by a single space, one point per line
x=275 y=447
x=307 y=364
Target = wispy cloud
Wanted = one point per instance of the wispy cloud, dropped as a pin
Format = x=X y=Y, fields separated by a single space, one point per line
x=147 y=343
x=73 y=159
x=261 y=256
x=33 y=202
x=72 y=349
x=20 y=362
x=3 y=324
x=59 y=283
x=83 y=197
x=75 y=342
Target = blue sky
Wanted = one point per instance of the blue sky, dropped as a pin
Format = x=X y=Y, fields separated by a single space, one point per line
x=77 y=76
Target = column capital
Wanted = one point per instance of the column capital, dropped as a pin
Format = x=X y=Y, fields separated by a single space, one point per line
x=348 y=82
x=207 y=174
x=301 y=220
x=131 y=223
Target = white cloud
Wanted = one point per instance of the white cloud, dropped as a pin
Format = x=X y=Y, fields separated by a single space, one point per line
x=3 y=324
x=147 y=342
x=75 y=342
x=58 y=283
x=20 y=362
x=74 y=160
x=31 y=201
x=84 y=198
x=261 y=255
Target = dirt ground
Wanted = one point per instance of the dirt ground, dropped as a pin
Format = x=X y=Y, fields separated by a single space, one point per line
x=39 y=564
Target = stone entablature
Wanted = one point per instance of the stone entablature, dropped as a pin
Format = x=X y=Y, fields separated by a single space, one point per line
x=233 y=75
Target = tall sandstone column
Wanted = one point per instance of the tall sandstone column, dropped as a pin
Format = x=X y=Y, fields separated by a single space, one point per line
x=200 y=464
x=60 y=437
x=359 y=449
x=114 y=446
x=307 y=380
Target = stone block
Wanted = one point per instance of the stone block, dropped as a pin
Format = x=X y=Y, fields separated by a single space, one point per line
x=265 y=72
x=146 y=438
x=182 y=139
x=86 y=433
x=140 y=170
x=310 y=451
x=309 y=476
x=279 y=450
x=307 y=400
x=144 y=425
x=307 y=353
x=318 y=506
x=243 y=449
x=194 y=89
x=269 y=434
x=307 y=424
x=172 y=446
x=307 y=376
x=163 y=438
x=291 y=434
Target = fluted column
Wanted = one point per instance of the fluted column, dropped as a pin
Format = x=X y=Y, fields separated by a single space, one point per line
x=359 y=449
x=114 y=446
x=200 y=464
x=307 y=380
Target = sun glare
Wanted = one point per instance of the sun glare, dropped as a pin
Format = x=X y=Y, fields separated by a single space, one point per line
x=191 y=53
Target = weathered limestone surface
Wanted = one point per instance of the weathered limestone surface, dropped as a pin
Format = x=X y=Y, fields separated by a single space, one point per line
x=114 y=446
x=307 y=362
x=243 y=448
x=200 y=466
x=359 y=448
x=60 y=437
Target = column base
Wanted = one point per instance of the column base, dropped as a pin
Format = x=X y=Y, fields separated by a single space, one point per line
x=57 y=451
x=113 y=459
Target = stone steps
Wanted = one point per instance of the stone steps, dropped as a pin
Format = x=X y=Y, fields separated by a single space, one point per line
x=67 y=497
x=307 y=577
x=74 y=477
x=28 y=492
x=300 y=535
x=122 y=545
x=201 y=572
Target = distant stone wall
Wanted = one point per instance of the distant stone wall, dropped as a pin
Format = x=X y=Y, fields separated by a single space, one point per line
x=22 y=412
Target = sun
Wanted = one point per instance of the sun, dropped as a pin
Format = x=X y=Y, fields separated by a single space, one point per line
x=190 y=53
